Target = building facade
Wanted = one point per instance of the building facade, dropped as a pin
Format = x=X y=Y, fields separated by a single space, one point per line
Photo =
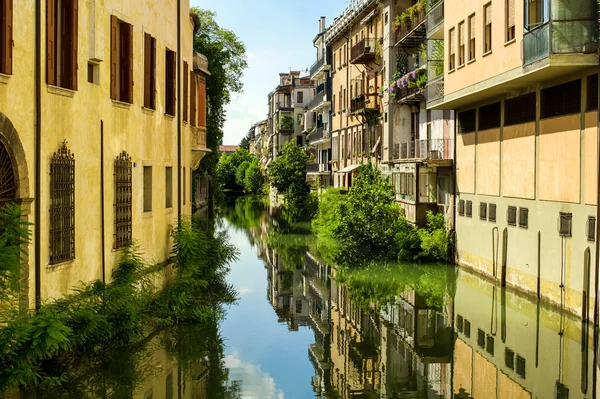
x=102 y=122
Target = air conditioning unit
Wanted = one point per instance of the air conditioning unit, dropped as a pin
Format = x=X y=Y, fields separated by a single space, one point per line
x=433 y=154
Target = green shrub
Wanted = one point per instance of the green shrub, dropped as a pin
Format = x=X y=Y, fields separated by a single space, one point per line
x=240 y=173
x=434 y=238
x=254 y=181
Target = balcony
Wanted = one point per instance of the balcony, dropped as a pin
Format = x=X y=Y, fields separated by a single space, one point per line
x=364 y=103
x=410 y=26
x=363 y=52
x=433 y=149
x=434 y=91
x=318 y=168
x=321 y=133
x=435 y=21
x=322 y=97
x=199 y=148
x=410 y=88
x=284 y=105
x=319 y=66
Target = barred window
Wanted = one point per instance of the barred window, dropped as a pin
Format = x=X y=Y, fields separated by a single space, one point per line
x=466 y=121
x=521 y=366
x=482 y=211
x=122 y=203
x=461 y=207
x=523 y=217
x=480 y=338
x=489 y=347
x=467 y=328
x=519 y=109
x=564 y=227
x=62 y=205
x=489 y=116
x=560 y=100
x=591 y=228
x=469 y=211
x=459 y=323
x=509 y=358
x=511 y=216
x=492 y=213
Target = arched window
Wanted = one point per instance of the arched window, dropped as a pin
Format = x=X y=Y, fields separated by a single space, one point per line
x=8 y=187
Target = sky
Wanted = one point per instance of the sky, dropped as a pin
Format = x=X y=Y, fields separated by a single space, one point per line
x=278 y=36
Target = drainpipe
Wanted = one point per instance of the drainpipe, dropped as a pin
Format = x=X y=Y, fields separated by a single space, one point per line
x=102 y=237
x=37 y=156
x=596 y=268
x=454 y=135
x=179 y=108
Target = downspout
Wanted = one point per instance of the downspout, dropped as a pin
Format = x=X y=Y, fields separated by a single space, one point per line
x=455 y=136
x=596 y=268
x=102 y=238
x=37 y=156
x=179 y=109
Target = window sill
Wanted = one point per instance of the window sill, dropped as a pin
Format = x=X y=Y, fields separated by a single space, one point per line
x=451 y=71
x=4 y=78
x=471 y=61
x=168 y=211
x=147 y=215
x=60 y=265
x=61 y=91
x=511 y=41
x=169 y=117
x=147 y=111
x=121 y=104
x=460 y=66
x=487 y=53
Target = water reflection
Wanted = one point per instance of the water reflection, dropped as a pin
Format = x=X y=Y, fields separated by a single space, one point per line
x=416 y=331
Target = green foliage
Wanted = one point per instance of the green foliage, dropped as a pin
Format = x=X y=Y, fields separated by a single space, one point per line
x=429 y=244
x=240 y=173
x=289 y=168
x=14 y=238
x=287 y=122
x=327 y=221
x=228 y=167
x=254 y=181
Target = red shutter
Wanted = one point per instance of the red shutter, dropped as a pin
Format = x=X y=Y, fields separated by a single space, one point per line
x=50 y=42
x=185 y=91
x=153 y=75
x=173 y=81
x=129 y=63
x=147 y=69
x=202 y=103
x=114 y=55
x=74 y=42
x=7 y=46
x=193 y=98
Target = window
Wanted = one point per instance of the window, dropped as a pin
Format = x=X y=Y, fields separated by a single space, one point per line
x=472 y=37
x=592 y=93
x=201 y=102
x=510 y=20
x=333 y=104
x=459 y=323
x=61 y=43
x=511 y=216
x=467 y=329
x=480 y=338
x=466 y=121
x=535 y=13
x=489 y=116
x=461 y=43
x=147 y=188
x=170 y=81
x=461 y=207
x=404 y=184
x=93 y=73
x=168 y=187
x=560 y=100
x=451 y=50
x=519 y=110
x=62 y=205
x=6 y=36
x=386 y=18
x=193 y=89
x=520 y=366
x=185 y=91
x=492 y=213
x=523 y=217
x=469 y=211
x=298 y=306
x=489 y=347
x=487 y=32
x=149 y=71
x=121 y=60
x=482 y=211
x=184 y=186
x=591 y=228
x=300 y=97
x=564 y=226
x=123 y=195
x=299 y=141
x=509 y=358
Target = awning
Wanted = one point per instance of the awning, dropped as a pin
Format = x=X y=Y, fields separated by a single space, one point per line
x=376 y=144
x=348 y=169
x=367 y=18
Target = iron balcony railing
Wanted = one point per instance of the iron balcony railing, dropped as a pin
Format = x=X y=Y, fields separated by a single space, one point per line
x=571 y=29
x=364 y=102
x=284 y=105
x=409 y=29
x=312 y=167
x=363 y=51
x=320 y=133
x=323 y=94
x=423 y=149
x=435 y=17
x=434 y=90
x=317 y=65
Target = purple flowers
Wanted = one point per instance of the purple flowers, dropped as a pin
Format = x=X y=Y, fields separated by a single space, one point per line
x=410 y=80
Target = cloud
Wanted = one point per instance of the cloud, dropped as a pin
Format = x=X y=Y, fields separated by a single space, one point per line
x=245 y=291
x=256 y=384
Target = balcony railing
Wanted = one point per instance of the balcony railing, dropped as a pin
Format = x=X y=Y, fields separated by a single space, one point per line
x=363 y=51
x=434 y=90
x=562 y=35
x=364 y=103
x=320 y=133
x=435 y=17
x=423 y=149
x=412 y=32
x=323 y=95
x=284 y=105
x=317 y=65
x=312 y=167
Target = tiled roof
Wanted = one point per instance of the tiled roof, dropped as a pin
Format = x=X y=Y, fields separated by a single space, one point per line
x=228 y=148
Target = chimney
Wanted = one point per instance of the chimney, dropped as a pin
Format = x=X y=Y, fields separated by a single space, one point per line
x=322 y=25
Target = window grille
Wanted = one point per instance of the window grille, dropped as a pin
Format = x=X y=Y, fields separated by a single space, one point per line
x=591 y=228
x=509 y=358
x=459 y=323
x=519 y=109
x=592 y=93
x=564 y=224
x=469 y=211
x=560 y=100
x=492 y=213
x=489 y=116
x=482 y=211
x=489 y=347
x=523 y=217
x=466 y=121
x=467 y=328
x=122 y=202
x=8 y=186
x=521 y=366
x=511 y=216
x=62 y=205
x=480 y=338
x=461 y=207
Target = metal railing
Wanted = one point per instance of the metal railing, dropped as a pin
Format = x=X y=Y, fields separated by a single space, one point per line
x=405 y=30
x=434 y=90
x=362 y=102
x=435 y=17
x=317 y=65
x=284 y=104
x=362 y=48
x=323 y=94
x=423 y=149
x=312 y=167
x=318 y=134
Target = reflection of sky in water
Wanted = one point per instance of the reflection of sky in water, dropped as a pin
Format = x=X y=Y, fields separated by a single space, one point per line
x=271 y=361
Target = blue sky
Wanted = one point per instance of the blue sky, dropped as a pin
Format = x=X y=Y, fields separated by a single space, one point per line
x=278 y=36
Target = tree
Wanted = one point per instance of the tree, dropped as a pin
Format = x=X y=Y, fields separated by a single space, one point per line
x=226 y=56
x=254 y=179
x=227 y=170
x=289 y=168
x=240 y=173
x=245 y=143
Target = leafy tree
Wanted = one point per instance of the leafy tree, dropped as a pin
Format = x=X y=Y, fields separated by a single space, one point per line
x=254 y=180
x=226 y=56
x=240 y=173
x=245 y=143
x=227 y=168
x=289 y=168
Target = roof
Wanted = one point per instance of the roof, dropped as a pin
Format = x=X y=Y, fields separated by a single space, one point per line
x=228 y=148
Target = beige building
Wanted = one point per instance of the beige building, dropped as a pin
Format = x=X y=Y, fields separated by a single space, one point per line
x=102 y=122
x=523 y=78
x=356 y=38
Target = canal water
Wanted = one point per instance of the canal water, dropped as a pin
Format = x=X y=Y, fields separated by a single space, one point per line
x=302 y=328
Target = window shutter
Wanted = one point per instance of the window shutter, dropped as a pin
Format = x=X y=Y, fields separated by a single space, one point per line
x=452 y=41
x=472 y=27
x=147 y=69
x=488 y=14
x=202 y=103
x=50 y=42
x=114 y=55
x=192 y=98
x=461 y=34
x=73 y=43
x=129 y=62
x=7 y=48
x=174 y=82
x=153 y=74
x=185 y=91
x=511 y=13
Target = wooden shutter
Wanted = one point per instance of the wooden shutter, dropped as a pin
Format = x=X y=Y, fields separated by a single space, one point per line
x=147 y=69
x=153 y=74
x=50 y=42
x=201 y=103
x=114 y=55
x=73 y=41
x=7 y=35
x=185 y=91
x=129 y=34
x=193 y=98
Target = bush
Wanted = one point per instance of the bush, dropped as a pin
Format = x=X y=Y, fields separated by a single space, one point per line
x=227 y=169
x=434 y=238
x=254 y=180
x=326 y=222
x=240 y=173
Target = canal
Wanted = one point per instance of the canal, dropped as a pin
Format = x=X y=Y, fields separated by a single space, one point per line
x=302 y=328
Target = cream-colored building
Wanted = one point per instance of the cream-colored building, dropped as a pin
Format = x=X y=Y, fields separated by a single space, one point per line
x=102 y=122
x=356 y=40
x=523 y=78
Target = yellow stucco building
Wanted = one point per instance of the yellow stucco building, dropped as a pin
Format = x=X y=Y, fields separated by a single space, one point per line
x=102 y=120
